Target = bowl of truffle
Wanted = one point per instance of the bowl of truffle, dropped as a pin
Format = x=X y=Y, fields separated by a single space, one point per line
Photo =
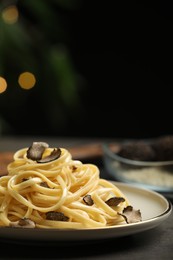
x=147 y=163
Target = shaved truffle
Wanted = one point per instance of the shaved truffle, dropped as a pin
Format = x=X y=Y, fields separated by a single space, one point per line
x=44 y=184
x=88 y=200
x=57 y=216
x=55 y=154
x=131 y=215
x=36 y=150
x=23 y=223
x=114 y=201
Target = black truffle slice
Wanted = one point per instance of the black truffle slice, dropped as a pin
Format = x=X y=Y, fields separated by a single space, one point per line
x=55 y=154
x=36 y=150
x=23 y=223
x=131 y=215
x=35 y=153
x=114 y=201
x=57 y=216
x=88 y=200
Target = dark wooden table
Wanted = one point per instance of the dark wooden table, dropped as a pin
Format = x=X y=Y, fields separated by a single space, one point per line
x=156 y=243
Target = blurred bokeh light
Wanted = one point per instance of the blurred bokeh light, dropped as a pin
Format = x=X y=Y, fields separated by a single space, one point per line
x=10 y=14
x=3 y=85
x=27 y=80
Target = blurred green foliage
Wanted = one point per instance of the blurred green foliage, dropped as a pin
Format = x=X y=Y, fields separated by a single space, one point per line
x=39 y=43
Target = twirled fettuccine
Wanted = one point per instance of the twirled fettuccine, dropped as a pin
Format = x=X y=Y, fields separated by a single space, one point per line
x=31 y=190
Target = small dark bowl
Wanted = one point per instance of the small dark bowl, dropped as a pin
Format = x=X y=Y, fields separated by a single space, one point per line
x=155 y=175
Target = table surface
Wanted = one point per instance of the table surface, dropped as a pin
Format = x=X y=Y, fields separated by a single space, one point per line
x=156 y=243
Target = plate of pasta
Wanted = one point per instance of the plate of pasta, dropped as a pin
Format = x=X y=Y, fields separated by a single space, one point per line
x=48 y=196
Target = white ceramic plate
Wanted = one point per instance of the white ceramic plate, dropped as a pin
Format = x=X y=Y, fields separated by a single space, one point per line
x=154 y=207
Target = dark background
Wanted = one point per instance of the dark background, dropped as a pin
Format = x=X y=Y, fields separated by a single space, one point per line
x=120 y=56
